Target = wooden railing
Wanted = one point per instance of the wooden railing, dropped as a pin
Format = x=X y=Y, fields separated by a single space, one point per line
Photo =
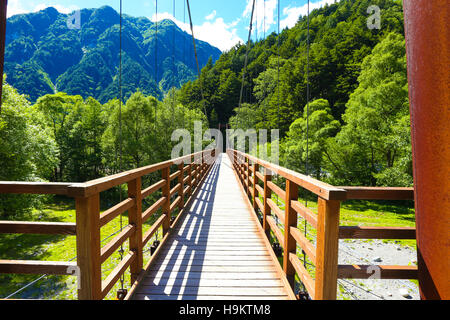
x=324 y=254
x=89 y=220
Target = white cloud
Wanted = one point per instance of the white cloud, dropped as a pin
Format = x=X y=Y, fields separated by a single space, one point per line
x=293 y=13
x=211 y=16
x=215 y=31
x=17 y=7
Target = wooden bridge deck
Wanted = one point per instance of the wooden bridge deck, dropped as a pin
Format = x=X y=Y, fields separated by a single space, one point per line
x=216 y=250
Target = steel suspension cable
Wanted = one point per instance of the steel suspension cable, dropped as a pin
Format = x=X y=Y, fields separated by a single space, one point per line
x=156 y=61
x=196 y=58
x=246 y=59
x=278 y=65
x=173 y=66
x=307 y=127
x=121 y=251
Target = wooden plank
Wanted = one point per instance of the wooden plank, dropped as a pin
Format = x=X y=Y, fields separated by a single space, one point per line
x=324 y=190
x=150 y=232
x=278 y=234
x=280 y=192
x=303 y=274
x=222 y=245
x=259 y=204
x=38 y=227
x=305 y=212
x=276 y=209
x=212 y=283
x=117 y=272
x=304 y=243
x=327 y=249
x=377 y=272
x=200 y=257
x=112 y=213
x=211 y=252
x=115 y=243
x=379 y=193
x=356 y=232
x=175 y=203
x=213 y=275
x=213 y=291
x=215 y=269
x=153 y=208
x=259 y=189
x=36 y=267
x=96 y=186
x=150 y=190
x=223 y=237
x=175 y=189
x=18 y=187
x=175 y=175
x=260 y=176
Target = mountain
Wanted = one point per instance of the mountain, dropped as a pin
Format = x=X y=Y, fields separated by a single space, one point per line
x=43 y=55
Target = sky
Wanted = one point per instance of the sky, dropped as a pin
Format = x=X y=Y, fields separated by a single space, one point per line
x=222 y=23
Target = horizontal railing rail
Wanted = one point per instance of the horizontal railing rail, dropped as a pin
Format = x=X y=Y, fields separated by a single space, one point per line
x=91 y=255
x=323 y=255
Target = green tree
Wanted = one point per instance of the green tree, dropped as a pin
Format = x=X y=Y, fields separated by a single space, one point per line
x=309 y=135
x=58 y=110
x=375 y=140
x=28 y=151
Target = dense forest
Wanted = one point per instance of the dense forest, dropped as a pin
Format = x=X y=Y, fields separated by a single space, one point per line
x=357 y=119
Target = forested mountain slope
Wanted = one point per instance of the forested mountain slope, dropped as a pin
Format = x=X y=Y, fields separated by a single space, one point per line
x=44 y=56
x=340 y=40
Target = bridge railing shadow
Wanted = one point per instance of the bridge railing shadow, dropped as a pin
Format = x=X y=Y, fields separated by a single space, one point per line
x=181 y=267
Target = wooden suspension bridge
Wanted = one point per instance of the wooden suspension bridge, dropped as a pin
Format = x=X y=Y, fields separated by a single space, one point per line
x=222 y=198
x=218 y=246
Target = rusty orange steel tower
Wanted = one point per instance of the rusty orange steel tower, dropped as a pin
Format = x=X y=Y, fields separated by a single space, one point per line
x=427 y=45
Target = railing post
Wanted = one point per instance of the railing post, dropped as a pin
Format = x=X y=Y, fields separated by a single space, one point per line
x=166 y=194
x=181 y=181
x=267 y=195
x=88 y=247
x=327 y=249
x=248 y=177
x=290 y=218
x=255 y=182
x=135 y=218
x=190 y=177
x=202 y=166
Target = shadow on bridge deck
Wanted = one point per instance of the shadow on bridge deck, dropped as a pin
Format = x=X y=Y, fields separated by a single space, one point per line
x=215 y=250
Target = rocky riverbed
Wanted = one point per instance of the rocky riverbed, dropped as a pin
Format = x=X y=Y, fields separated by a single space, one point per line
x=376 y=252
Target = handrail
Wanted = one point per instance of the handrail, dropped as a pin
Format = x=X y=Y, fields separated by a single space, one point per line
x=89 y=220
x=320 y=188
x=325 y=253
